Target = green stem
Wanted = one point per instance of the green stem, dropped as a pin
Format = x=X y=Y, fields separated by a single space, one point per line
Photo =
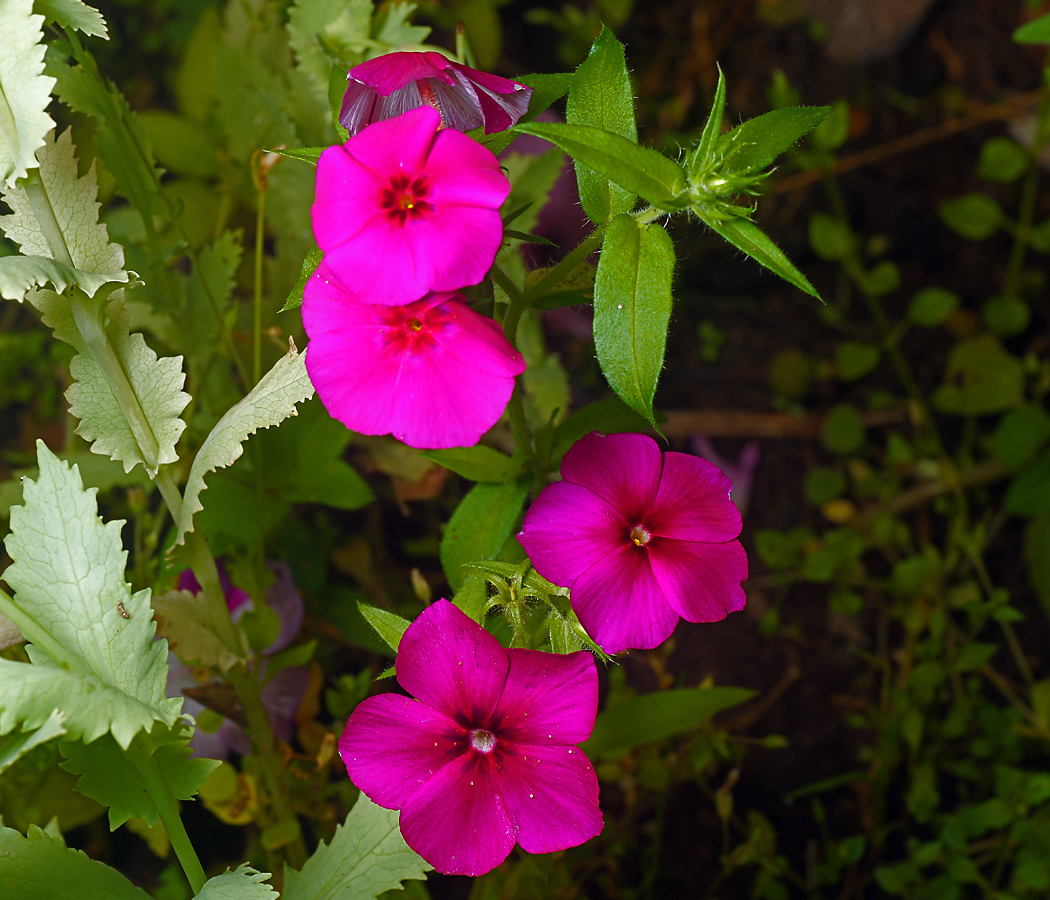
x=260 y=229
x=1029 y=192
x=163 y=799
x=566 y=267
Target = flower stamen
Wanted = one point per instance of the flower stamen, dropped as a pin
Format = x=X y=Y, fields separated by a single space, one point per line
x=483 y=741
x=640 y=535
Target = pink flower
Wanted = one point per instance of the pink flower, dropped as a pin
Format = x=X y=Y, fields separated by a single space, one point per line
x=486 y=754
x=639 y=538
x=401 y=209
x=433 y=373
x=389 y=85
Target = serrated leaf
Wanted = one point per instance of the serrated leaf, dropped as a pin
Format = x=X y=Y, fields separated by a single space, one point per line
x=111 y=776
x=15 y=746
x=754 y=144
x=316 y=27
x=478 y=463
x=41 y=867
x=645 y=172
x=394 y=29
x=601 y=96
x=367 y=856
x=270 y=402
x=482 y=523
x=747 y=236
x=74 y=14
x=210 y=288
x=632 y=309
x=24 y=90
x=243 y=883
x=252 y=102
x=157 y=383
x=389 y=626
x=185 y=621
x=21 y=274
x=102 y=667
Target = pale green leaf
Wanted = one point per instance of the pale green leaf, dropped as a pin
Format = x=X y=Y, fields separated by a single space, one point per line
x=73 y=200
x=243 y=883
x=252 y=105
x=110 y=775
x=157 y=384
x=270 y=402
x=321 y=29
x=24 y=90
x=186 y=622
x=41 y=867
x=482 y=523
x=395 y=30
x=102 y=667
x=17 y=745
x=21 y=274
x=73 y=14
x=366 y=857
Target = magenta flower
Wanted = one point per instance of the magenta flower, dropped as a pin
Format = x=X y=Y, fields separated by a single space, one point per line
x=433 y=373
x=639 y=538
x=486 y=754
x=389 y=85
x=401 y=209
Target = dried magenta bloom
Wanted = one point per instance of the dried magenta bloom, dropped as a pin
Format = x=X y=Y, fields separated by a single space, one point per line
x=640 y=538
x=389 y=85
x=486 y=754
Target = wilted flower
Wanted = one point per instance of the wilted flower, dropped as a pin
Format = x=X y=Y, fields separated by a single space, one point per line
x=402 y=209
x=389 y=85
x=433 y=373
x=639 y=538
x=486 y=754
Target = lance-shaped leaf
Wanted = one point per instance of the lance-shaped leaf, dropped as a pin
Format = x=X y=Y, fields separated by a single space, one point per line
x=482 y=523
x=645 y=172
x=112 y=776
x=712 y=129
x=754 y=144
x=74 y=14
x=156 y=383
x=21 y=274
x=243 y=883
x=747 y=236
x=17 y=745
x=367 y=856
x=92 y=639
x=41 y=867
x=24 y=90
x=601 y=96
x=632 y=309
x=270 y=402
x=389 y=626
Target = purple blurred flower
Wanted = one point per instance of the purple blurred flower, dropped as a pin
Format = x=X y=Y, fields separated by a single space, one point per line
x=389 y=85
x=741 y=472
x=640 y=538
x=280 y=696
x=486 y=755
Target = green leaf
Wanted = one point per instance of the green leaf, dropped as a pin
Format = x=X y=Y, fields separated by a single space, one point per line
x=41 y=867
x=1019 y=435
x=366 y=857
x=1002 y=160
x=111 y=776
x=252 y=102
x=974 y=216
x=747 y=236
x=981 y=378
x=243 y=883
x=106 y=673
x=1037 y=555
x=182 y=145
x=389 y=626
x=754 y=144
x=712 y=130
x=393 y=29
x=482 y=523
x=317 y=26
x=1035 y=32
x=310 y=263
x=830 y=238
x=854 y=360
x=645 y=172
x=652 y=717
x=17 y=745
x=270 y=402
x=478 y=463
x=21 y=274
x=303 y=154
x=632 y=309
x=1006 y=316
x=832 y=132
x=843 y=429
x=157 y=384
x=609 y=416
x=73 y=14
x=973 y=655
x=24 y=91
x=931 y=306
x=546 y=88
x=1029 y=492
x=601 y=96
x=185 y=621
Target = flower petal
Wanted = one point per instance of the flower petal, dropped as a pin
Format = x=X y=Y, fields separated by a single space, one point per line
x=477 y=340
x=392 y=71
x=701 y=581
x=460 y=172
x=452 y=664
x=392 y=745
x=358 y=103
x=622 y=469
x=457 y=821
x=621 y=604
x=551 y=794
x=549 y=698
x=382 y=264
x=346 y=197
x=397 y=145
x=693 y=502
x=568 y=529
x=453 y=246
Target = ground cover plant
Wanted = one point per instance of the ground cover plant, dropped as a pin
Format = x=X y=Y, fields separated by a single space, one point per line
x=452 y=601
